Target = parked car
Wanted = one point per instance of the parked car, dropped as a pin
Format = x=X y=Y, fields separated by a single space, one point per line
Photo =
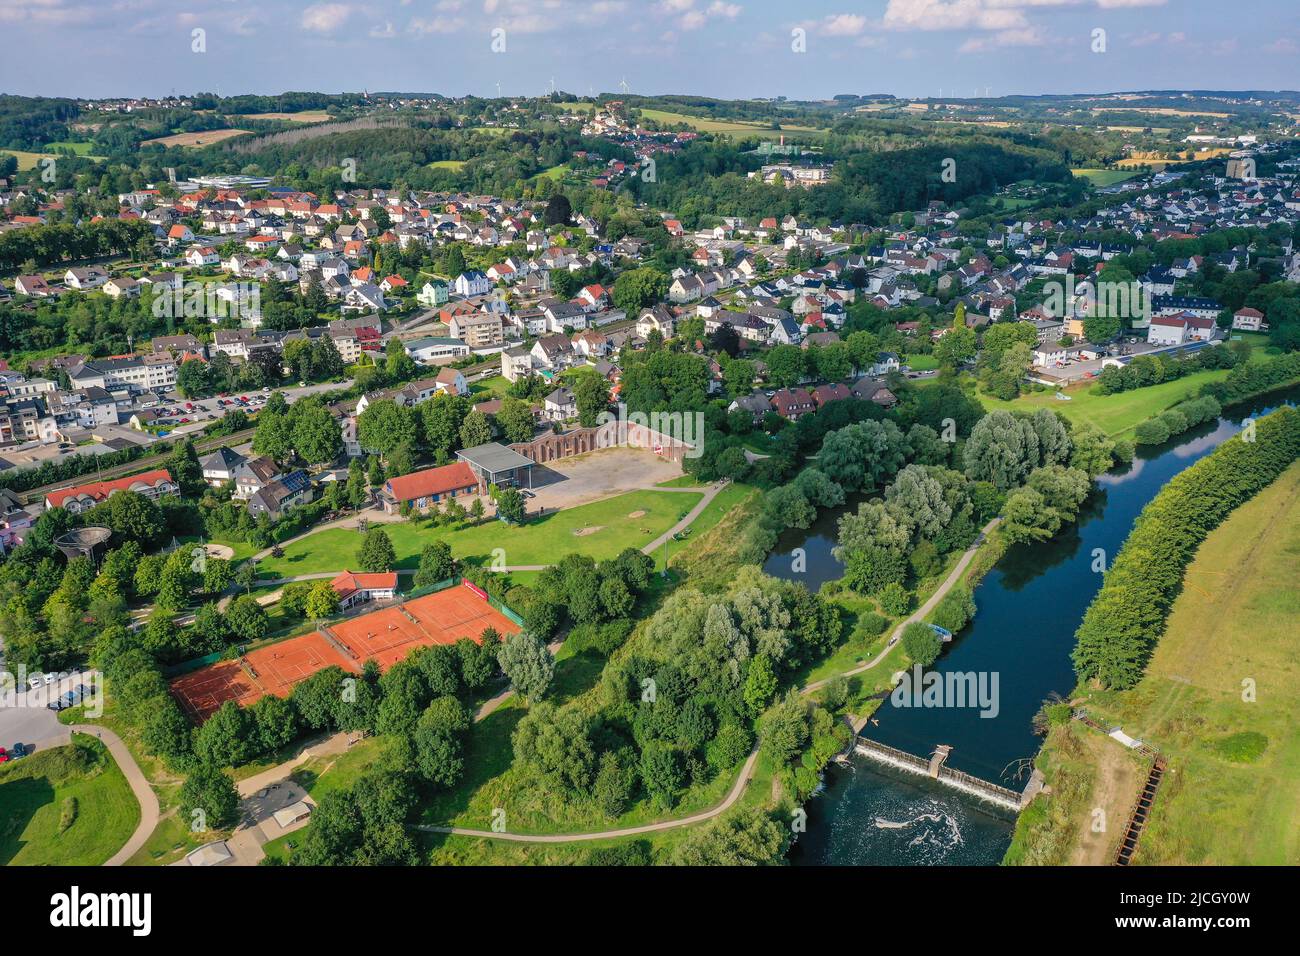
x=35 y=680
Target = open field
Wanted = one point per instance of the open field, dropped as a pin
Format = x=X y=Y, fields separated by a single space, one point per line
x=1155 y=111
x=305 y=116
x=1116 y=414
x=729 y=127
x=455 y=165
x=1220 y=696
x=69 y=806
x=1104 y=177
x=539 y=541
x=206 y=138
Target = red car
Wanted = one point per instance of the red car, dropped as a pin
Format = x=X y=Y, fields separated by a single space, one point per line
x=4 y=755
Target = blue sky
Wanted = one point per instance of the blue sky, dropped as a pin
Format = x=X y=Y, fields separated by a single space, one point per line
x=727 y=48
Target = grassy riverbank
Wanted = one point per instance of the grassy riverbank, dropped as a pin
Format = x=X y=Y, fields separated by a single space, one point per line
x=1218 y=699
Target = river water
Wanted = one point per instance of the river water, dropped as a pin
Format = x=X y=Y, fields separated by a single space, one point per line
x=1029 y=606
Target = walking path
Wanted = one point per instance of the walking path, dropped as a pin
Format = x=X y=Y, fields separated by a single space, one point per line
x=279 y=773
x=746 y=772
x=949 y=583
x=139 y=786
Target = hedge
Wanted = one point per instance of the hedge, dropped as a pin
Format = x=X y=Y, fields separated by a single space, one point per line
x=1121 y=627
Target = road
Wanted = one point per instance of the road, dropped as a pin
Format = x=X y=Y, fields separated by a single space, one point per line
x=201 y=445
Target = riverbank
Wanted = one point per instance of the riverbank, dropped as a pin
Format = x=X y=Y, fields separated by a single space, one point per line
x=1218 y=700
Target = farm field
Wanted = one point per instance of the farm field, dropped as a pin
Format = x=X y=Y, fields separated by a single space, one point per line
x=1104 y=177
x=728 y=127
x=1219 y=697
x=305 y=116
x=601 y=529
x=195 y=140
x=67 y=806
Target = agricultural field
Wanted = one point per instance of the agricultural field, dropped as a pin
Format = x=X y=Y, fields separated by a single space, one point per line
x=305 y=116
x=1220 y=693
x=196 y=140
x=728 y=127
x=67 y=806
x=1104 y=177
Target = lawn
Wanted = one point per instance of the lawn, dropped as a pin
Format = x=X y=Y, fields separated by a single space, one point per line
x=608 y=524
x=1116 y=415
x=489 y=388
x=69 y=806
x=1220 y=696
x=453 y=164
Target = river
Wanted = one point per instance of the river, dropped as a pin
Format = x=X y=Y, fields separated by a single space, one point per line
x=1029 y=606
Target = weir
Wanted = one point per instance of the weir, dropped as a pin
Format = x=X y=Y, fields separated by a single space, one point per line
x=934 y=769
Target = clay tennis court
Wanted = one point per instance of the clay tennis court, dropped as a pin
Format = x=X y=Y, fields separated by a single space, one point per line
x=278 y=668
x=385 y=636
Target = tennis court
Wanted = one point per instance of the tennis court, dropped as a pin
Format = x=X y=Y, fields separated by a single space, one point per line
x=385 y=636
x=275 y=669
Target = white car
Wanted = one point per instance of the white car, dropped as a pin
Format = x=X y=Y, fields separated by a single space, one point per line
x=35 y=681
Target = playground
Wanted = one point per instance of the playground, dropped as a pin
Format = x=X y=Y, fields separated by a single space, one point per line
x=385 y=636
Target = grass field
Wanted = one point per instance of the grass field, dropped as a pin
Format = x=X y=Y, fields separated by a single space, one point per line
x=730 y=127
x=1104 y=177
x=1233 y=794
x=196 y=140
x=540 y=541
x=455 y=165
x=69 y=806
x=1117 y=414
x=26 y=160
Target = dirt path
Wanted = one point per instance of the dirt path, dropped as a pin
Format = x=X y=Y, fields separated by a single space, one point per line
x=1113 y=789
x=144 y=794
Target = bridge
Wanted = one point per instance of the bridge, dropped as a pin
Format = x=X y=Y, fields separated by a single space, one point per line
x=935 y=768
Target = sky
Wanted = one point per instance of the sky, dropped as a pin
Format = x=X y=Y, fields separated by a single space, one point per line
x=802 y=49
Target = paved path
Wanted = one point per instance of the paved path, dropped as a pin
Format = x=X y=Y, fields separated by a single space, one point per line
x=949 y=583
x=139 y=786
x=739 y=788
x=746 y=772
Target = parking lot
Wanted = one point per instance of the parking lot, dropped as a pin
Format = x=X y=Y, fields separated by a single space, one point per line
x=570 y=482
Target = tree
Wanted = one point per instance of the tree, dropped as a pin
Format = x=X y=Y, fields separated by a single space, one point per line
x=384 y=426
x=510 y=505
x=559 y=211
x=747 y=838
x=247 y=619
x=439 y=741
x=638 y=289
x=322 y=601
x=591 y=394
x=1003 y=449
x=955 y=347
x=555 y=744
x=276 y=722
x=515 y=419
x=528 y=664
x=317 y=437
x=661 y=774
x=436 y=564
x=376 y=553
x=475 y=430
x=921 y=643
x=208 y=795
x=760 y=684
x=442 y=417
x=175 y=582
x=786 y=365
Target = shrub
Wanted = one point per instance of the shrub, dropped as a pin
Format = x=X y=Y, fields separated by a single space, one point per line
x=921 y=643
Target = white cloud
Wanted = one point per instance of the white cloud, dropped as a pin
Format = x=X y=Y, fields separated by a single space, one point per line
x=325 y=17
x=1030 y=36
x=843 y=25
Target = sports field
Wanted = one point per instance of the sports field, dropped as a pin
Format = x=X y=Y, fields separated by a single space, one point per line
x=385 y=636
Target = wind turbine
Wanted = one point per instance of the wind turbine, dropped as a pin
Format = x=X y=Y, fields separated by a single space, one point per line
x=624 y=87
x=498 y=89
